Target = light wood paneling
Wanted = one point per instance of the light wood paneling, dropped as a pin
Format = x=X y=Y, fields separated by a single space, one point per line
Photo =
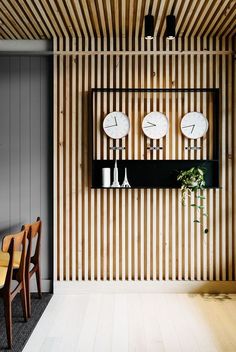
x=118 y=19
x=141 y=234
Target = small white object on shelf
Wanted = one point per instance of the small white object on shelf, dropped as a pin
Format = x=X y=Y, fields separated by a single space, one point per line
x=106 y=177
x=115 y=182
x=125 y=183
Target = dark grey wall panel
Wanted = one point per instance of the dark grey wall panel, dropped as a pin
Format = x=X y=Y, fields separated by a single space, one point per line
x=5 y=144
x=26 y=148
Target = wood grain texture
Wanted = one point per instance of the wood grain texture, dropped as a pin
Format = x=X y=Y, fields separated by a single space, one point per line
x=141 y=234
x=31 y=19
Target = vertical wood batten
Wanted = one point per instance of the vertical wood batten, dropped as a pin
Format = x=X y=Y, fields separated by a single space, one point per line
x=79 y=171
x=148 y=204
x=193 y=214
x=86 y=195
x=142 y=156
x=123 y=192
x=160 y=191
x=129 y=251
x=174 y=197
x=167 y=208
x=106 y=220
x=67 y=165
x=223 y=166
x=74 y=165
x=234 y=157
x=111 y=192
x=186 y=208
x=233 y=116
x=56 y=254
x=210 y=193
x=229 y=137
x=179 y=198
x=61 y=167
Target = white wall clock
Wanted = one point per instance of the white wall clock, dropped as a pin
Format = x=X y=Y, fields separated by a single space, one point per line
x=194 y=125
x=116 y=125
x=155 y=125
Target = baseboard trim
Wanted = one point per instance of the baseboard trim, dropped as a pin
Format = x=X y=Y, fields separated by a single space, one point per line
x=76 y=287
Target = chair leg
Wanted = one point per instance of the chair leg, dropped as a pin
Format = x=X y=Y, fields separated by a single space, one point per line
x=8 y=318
x=38 y=279
x=24 y=300
x=28 y=296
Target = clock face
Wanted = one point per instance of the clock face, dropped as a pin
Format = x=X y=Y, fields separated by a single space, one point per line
x=155 y=125
x=116 y=125
x=194 y=125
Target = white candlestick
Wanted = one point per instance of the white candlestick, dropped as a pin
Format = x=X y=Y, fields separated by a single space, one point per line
x=106 y=177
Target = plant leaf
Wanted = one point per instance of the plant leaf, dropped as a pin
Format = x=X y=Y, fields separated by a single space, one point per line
x=200 y=171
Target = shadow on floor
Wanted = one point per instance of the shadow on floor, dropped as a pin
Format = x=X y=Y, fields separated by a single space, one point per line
x=22 y=330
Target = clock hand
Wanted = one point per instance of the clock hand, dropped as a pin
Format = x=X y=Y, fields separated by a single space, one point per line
x=188 y=126
x=150 y=123
x=193 y=128
x=115 y=120
x=110 y=126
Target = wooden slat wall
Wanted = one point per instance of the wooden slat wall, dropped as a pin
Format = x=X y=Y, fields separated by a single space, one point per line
x=30 y=19
x=139 y=234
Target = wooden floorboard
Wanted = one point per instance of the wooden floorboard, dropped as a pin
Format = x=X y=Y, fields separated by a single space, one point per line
x=137 y=322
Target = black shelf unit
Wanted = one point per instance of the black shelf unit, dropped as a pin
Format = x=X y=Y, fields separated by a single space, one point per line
x=160 y=173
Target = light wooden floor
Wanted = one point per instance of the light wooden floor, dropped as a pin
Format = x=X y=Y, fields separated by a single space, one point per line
x=136 y=322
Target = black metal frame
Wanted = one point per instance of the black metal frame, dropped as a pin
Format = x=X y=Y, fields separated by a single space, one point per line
x=212 y=166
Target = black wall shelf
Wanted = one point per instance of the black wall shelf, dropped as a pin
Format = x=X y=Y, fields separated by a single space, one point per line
x=155 y=173
x=160 y=173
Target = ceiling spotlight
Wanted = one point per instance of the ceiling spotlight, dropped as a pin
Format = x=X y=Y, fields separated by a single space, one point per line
x=149 y=27
x=170 y=27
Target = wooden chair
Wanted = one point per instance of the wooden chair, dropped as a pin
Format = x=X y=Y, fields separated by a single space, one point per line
x=33 y=230
x=12 y=244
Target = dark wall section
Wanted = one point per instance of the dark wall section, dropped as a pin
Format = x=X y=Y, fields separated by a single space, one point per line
x=26 y=148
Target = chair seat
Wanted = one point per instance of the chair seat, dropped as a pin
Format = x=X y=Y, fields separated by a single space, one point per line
x=4 y=259
x=3 y=274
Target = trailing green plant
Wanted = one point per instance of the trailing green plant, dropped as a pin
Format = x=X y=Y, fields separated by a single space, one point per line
x=193 y=180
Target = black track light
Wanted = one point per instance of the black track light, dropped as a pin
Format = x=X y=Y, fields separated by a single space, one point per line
x=170 y=27
x=149 y=27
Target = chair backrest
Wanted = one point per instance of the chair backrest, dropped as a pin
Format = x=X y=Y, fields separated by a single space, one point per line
x=33 y=230
x=18 y=241
x=7 y=284
x=19 y=244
